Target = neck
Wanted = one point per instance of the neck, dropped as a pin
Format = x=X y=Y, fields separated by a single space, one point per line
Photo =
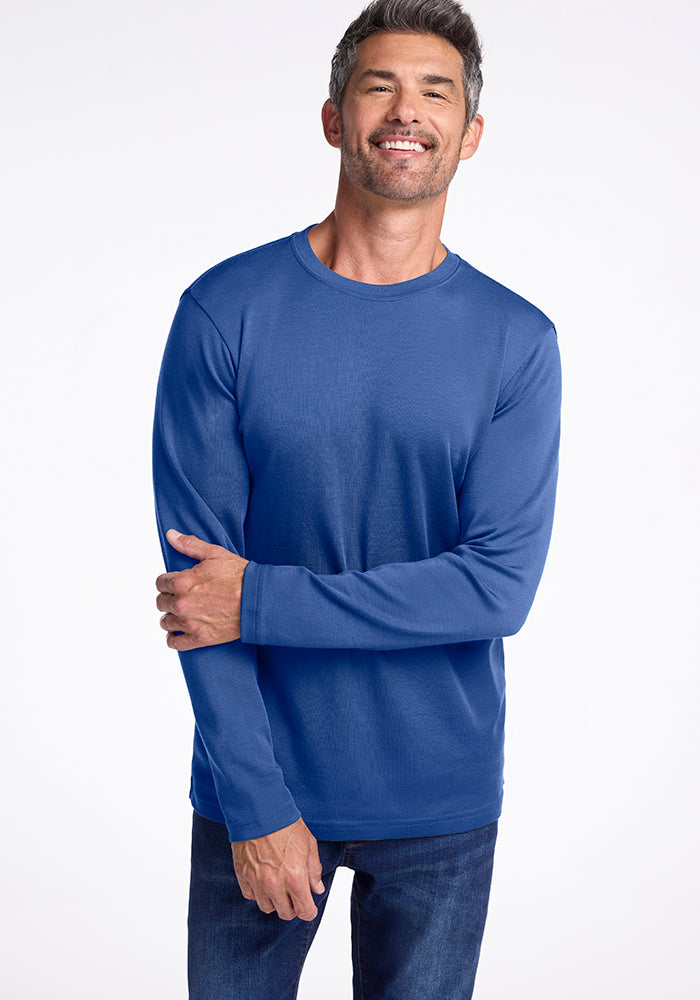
x=382 y=242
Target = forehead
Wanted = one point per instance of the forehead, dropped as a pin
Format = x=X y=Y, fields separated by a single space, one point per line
x=409 y=54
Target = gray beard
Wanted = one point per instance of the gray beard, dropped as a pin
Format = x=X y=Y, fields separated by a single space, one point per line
x=386 y=179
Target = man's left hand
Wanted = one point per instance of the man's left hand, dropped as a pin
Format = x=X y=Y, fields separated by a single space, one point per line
x=204 y=602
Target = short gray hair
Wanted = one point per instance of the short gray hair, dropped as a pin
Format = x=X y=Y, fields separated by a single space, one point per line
x=445 y=18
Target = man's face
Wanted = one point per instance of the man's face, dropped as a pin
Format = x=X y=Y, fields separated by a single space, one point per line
x=405 y=89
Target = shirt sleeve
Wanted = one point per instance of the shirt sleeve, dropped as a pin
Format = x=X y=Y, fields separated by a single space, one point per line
x=202 y=483
x=481 y=589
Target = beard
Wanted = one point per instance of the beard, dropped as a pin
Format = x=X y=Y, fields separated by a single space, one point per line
x=398 y=179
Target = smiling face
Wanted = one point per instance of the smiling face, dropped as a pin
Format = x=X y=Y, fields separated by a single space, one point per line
x=402 y=129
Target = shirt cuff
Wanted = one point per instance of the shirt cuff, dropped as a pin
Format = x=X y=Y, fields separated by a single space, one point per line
x=249 y=601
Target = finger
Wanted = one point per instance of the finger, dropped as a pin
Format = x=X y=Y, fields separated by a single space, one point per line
x=245 y=887
x=304 y=906
x=265 y=902
x=164 y=583
x=183 y=643
x=171 y=623
x=281 y=902
x=298 y=887
x=192 y=546
x=177 y=637
x=165 y=602
x=315 y=869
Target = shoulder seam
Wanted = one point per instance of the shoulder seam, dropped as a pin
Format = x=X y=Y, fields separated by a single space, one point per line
x=523 y=361
x=225 y=346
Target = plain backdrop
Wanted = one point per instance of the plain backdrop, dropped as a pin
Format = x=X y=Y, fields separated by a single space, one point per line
x=145 y=141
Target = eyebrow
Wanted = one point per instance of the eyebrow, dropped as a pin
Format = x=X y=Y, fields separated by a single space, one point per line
x=431 y=78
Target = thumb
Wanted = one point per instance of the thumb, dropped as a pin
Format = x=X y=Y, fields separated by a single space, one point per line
x=315 y=871
x=191 y=546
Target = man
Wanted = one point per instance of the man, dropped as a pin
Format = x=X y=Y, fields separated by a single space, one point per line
x=359 y=431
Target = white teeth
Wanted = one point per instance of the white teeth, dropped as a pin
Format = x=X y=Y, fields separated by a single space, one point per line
x=398 y=144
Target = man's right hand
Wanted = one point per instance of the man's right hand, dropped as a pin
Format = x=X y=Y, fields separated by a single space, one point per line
x=280 y=871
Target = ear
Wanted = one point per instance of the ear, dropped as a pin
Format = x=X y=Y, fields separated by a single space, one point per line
x=331 y=124
x=472 y=138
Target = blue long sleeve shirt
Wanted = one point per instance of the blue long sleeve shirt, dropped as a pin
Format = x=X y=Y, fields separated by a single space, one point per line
x=385 y=456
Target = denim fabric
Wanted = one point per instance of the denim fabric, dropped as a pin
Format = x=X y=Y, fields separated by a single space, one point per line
x=418 y=911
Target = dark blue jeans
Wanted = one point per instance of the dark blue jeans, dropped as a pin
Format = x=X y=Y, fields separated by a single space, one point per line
x=418 y=912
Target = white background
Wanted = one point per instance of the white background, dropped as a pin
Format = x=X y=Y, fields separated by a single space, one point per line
x=144 y=142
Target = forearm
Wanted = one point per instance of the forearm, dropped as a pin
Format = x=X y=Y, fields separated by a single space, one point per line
x=482 y=589
x=232 y=721
x=458 y=596
x=233 y=726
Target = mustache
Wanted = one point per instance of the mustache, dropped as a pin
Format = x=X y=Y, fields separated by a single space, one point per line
x=380 y=134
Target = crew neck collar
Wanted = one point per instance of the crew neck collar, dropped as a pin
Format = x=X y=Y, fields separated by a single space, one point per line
x=308 y=259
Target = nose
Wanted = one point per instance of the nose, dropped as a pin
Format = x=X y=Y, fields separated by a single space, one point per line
x=403 y=108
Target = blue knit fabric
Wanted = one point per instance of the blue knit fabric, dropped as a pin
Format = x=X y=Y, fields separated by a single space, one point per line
x=385 y=456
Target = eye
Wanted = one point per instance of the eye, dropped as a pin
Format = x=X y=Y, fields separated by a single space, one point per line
x=434 y=93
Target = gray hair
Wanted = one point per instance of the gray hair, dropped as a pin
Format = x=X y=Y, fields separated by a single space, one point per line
x=445 y=18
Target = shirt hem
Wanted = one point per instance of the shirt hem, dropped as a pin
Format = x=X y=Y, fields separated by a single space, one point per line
x=345 y=830
x=397 y=829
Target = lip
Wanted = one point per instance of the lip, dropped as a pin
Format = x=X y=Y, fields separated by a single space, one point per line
x=402 y=152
